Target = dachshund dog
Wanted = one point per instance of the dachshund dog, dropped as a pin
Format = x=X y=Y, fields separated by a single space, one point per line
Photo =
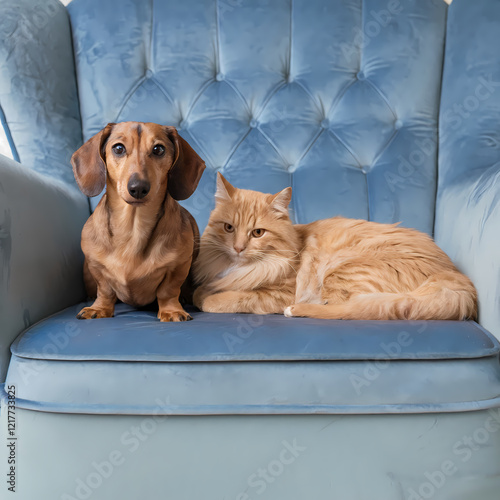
x=139 y=243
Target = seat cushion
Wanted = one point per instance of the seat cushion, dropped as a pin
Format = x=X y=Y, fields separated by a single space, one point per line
x=238 y=363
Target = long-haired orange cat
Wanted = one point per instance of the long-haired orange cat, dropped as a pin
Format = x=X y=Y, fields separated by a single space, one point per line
x=254 y=260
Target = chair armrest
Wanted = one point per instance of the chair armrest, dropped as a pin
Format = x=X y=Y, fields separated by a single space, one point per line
x=40 y=254
x=38 y=92
x=468 y=198
x=468 y=230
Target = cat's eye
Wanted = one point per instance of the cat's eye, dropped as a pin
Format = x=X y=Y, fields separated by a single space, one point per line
x=257 y=233
x=228 y=228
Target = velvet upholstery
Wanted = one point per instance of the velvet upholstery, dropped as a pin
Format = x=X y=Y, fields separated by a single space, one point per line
x=384 y=110
x=38 y=91
x=468 y=204
x=40 y=257
x=279 y=93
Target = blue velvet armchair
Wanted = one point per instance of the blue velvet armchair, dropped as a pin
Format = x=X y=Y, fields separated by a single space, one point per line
x=386 y=110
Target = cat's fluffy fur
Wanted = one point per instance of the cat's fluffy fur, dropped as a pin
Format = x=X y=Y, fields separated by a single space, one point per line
x=335 y=268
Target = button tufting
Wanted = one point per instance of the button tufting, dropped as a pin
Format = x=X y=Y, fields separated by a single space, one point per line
x=289 y=79
x=325 y=123
x=253 y=123
x=148 y=73
x=364 y=170
x=398 y=124
x=360 y=75
x=219 y=77
x=182 y=124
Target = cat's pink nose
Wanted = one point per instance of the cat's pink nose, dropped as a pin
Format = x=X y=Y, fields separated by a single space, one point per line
x=239 y=248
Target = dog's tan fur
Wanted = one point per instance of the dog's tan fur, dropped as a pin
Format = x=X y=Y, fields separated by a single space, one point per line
x=335 y=268
x=138 y=250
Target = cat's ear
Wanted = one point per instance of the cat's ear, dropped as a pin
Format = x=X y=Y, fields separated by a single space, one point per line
x=224 y=190
x=280 y=201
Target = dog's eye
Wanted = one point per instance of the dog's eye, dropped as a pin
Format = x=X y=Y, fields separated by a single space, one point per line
x=118 y=149
x=257 y=233
x=158 y=150
x=228 y=228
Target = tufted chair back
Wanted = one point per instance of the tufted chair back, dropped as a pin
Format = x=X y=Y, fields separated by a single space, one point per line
x=337 y=98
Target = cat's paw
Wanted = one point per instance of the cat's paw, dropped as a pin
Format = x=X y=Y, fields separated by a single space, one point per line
x=212 y=304
x=300 y=310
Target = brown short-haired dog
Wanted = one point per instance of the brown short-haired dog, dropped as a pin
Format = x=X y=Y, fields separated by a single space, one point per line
x=139 y=242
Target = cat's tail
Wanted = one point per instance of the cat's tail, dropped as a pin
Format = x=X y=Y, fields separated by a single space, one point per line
x=448 y=296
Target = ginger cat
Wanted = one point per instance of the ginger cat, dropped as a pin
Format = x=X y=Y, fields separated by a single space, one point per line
x=254 y=260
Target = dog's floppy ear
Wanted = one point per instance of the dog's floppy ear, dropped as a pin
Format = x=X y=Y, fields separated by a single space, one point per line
x=89 y=165
x=186 y=169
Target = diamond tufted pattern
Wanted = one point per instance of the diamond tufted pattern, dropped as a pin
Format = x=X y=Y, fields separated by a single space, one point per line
x=331 y=97
x=337 y=98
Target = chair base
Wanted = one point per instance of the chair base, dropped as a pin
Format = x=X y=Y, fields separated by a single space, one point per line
x=452 y=456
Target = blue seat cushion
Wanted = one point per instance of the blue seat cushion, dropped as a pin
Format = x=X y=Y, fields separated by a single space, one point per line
x=137 y=335
x=238 y=363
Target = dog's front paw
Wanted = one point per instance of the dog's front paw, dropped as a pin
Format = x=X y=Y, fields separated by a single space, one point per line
x=175 y=316
x=94 y=313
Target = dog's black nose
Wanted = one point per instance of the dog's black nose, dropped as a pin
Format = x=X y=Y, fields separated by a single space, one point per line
x=137 y=187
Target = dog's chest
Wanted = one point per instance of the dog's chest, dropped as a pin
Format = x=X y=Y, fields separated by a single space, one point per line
x=135 y=277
